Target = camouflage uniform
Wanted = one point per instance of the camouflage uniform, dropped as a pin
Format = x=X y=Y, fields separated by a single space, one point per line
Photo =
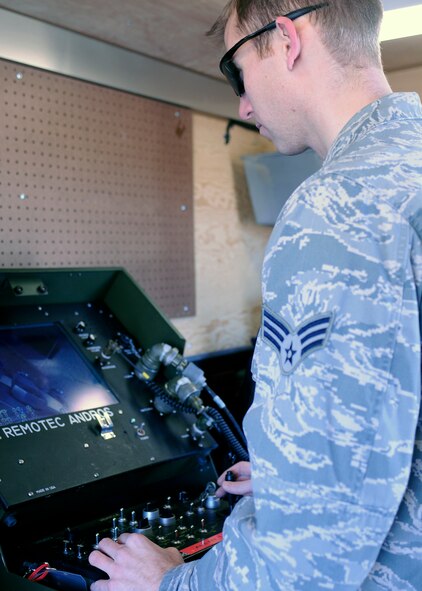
x=335 y=432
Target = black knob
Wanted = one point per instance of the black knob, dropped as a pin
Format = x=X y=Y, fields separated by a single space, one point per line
x=167 y=517
x=151 y=512
x=143 y=527
x=231 y=499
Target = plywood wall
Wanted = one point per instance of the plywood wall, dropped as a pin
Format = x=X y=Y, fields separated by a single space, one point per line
x=229 y=245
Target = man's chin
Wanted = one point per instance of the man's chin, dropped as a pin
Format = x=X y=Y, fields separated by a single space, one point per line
x=264 y=132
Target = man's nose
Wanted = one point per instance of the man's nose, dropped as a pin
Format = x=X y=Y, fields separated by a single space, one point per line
x=245 y=107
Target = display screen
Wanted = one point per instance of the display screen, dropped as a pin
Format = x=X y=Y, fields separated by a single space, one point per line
x=42 y=374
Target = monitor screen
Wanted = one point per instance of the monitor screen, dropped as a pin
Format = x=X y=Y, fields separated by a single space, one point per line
x=42 y=374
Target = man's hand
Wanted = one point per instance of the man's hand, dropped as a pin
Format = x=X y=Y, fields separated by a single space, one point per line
x=241 y=486
x=133 y=563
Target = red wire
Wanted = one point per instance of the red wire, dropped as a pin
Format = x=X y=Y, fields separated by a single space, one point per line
x=41 y=576
x=33 y=575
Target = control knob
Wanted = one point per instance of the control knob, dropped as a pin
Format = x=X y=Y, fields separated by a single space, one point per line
x=151 y=512
x=143 y=527
x=167 y=517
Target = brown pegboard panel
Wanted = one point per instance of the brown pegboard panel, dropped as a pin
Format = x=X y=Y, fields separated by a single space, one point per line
x=96 y=177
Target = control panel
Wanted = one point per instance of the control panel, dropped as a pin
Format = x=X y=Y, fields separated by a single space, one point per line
x=193 y=525
x=104 y=427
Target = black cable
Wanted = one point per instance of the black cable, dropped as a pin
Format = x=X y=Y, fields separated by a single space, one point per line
x=170 y=400
x=229 y=415
x=221 y=424
x=225 y=430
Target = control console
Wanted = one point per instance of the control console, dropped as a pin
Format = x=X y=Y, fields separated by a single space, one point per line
x=102 y=427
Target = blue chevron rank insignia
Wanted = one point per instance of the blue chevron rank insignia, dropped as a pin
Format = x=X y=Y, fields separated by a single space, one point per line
x=293 y=345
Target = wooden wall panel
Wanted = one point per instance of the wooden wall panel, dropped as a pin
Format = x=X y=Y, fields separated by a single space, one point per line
x=94 y=177
x=229 y=245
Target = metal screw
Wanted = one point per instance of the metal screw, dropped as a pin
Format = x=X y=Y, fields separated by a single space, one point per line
x=19 y=75
x=86 y=445
x=23 y=196
x=21 y=462
x=183 y=207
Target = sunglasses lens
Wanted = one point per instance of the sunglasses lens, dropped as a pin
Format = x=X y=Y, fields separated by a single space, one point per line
x=232 y=73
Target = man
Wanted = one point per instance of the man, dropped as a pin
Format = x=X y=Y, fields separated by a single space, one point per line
x=334 y=432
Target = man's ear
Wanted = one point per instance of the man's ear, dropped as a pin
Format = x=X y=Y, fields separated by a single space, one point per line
x=291 y=38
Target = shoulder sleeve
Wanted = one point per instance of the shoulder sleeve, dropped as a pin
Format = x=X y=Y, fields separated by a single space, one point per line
x=332 y=428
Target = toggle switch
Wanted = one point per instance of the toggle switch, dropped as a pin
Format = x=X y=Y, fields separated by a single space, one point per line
x=190 y=512
x=203 y=529
x=160 y=536
x=106 y=426
x=80 y=327
x=133 y=523
x=182 y=525
x=122 y=518
x=90 y=340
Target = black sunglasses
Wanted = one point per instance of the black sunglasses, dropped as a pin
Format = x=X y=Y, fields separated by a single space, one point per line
x=227 y=65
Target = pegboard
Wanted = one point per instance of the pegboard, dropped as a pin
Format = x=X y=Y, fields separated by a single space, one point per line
x=96 y=177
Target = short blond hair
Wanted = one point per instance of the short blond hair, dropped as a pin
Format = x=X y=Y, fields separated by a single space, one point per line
x=349 y=28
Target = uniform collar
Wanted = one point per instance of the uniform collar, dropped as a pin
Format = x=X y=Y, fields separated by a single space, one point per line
x=391 y=107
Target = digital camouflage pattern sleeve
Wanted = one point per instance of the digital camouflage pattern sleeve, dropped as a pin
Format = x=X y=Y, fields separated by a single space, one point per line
x=334 y=432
